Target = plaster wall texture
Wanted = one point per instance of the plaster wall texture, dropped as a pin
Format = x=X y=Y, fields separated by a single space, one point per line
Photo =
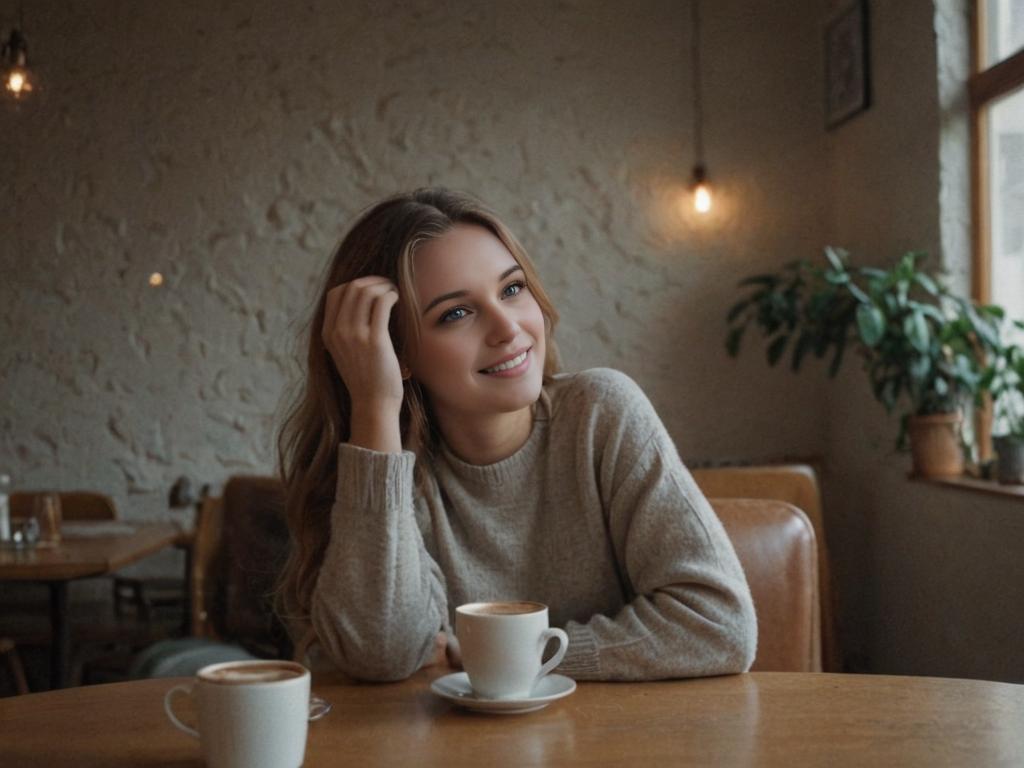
x=931 y=580
x=228 y=146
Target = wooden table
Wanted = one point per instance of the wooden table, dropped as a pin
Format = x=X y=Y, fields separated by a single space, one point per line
x=86 y=549
x=764 y=719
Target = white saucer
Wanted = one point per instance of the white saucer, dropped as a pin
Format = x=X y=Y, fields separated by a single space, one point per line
x=455 y=687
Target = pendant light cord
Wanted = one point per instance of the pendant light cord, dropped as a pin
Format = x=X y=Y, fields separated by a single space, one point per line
x=698 y=105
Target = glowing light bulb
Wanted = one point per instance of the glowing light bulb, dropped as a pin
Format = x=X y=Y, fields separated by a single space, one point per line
x=18 y=78
x=156 y=279
x=702 y=198
x=15 y=82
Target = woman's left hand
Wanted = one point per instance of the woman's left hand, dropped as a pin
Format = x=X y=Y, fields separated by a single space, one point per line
x=445 y=653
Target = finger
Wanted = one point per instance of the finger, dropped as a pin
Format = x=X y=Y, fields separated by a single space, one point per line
x=381 y=316
x=364 y=305
x=368 y=280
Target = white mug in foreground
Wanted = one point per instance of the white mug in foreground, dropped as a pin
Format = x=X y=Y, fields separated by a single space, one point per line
x=252 y=714
x=502 y=645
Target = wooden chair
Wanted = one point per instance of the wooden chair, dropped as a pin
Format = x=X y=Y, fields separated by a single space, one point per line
x=796 y=484
x=9 y=651
x=239 y=547
x=775 y=543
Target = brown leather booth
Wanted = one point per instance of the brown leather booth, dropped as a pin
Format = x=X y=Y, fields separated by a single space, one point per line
x=776 y=546
x=798 y=485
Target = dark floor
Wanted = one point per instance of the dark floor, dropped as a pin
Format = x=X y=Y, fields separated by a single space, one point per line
x=103 y=645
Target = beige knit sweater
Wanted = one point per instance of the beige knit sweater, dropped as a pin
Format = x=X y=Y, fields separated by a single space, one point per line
x=595 y=516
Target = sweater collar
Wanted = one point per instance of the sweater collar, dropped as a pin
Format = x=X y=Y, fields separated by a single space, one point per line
x=510 y=467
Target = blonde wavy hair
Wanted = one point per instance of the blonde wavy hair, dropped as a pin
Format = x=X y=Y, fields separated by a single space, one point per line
x=382 y=242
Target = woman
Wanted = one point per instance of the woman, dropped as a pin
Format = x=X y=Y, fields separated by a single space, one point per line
x=435 y=458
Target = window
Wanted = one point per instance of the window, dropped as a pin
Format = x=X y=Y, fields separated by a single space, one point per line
x=997 y=117
x=997 y=106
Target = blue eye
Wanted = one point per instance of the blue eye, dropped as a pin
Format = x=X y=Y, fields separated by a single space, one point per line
x=453 y=314
x=513 y=289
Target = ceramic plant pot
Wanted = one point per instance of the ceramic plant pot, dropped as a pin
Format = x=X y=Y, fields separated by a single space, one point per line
x=1010 y=459
x=935 y=445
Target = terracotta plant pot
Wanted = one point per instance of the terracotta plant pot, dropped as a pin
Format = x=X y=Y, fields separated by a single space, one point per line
x=1010 y=459
x=935 y=445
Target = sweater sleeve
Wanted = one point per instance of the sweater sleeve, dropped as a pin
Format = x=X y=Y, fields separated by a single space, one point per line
x=692 y=614
x=379 y=599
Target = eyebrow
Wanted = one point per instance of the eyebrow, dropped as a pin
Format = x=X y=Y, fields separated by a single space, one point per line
x=457 y=294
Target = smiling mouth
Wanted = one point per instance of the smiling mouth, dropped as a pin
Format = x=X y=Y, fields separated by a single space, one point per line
x=515 y=362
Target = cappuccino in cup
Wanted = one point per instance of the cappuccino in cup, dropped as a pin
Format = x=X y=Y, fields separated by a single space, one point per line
x=502 y=645
x=243 y=673
x=252 y=714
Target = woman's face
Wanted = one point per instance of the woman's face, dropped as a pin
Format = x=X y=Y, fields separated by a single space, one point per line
x=481 y=349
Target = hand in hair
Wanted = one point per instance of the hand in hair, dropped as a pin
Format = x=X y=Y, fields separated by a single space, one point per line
x=356 y=334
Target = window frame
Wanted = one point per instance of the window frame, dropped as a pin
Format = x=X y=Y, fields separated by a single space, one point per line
x=984 y=86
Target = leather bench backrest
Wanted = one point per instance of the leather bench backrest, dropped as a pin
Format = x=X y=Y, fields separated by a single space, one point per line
x=776 y=545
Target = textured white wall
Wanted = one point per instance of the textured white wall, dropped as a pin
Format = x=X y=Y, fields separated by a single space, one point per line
x=228 y=145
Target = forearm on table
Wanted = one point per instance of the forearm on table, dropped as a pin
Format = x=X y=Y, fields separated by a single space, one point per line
x=379 y=599
x=675 y=632
x=693 y=614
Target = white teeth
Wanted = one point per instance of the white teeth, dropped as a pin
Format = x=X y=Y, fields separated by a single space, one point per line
x=518 y=360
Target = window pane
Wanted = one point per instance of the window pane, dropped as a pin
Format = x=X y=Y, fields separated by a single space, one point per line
x=1004 y=29
x=1006 y=193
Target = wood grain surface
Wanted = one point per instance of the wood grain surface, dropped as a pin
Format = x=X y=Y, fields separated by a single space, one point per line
x=764 y=719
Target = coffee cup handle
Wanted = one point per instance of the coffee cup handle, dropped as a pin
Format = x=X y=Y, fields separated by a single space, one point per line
x=169 y=709
x=554 y=661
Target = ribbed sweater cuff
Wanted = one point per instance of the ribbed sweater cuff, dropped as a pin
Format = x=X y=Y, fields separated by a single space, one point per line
x=373 y=479
x=581 y=661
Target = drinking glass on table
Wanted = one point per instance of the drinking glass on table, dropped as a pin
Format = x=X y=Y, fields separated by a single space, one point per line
x=47 y=514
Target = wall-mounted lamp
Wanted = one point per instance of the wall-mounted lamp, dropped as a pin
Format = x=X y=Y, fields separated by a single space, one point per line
x=700 y=186
x=19 y=81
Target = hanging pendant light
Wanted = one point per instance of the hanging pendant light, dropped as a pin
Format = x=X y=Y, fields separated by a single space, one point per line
x=700 y=187
x=19 y=80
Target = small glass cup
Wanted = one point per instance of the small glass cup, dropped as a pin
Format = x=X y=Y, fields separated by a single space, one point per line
x=46 y=512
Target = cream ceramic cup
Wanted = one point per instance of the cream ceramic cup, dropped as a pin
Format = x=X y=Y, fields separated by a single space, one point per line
x=502 y=644
x=252 y=714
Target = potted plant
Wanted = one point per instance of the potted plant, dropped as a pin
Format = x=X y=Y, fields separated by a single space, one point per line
x=922 y=347
x=1005 y=380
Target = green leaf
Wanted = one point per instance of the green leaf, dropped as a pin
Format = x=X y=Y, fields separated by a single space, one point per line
x=887 y=394
x=927 y=283
x=837 y=278
x=836 y=257
x=871 y=324
x=837 y=358
x=732 y=341
x=919 y=368
x=776 y=348
x=915 y=328
x=858 y=294
x=737 y=309
x=803 y=343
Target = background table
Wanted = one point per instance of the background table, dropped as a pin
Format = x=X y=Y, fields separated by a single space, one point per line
x=764 y=719
x=88 y=549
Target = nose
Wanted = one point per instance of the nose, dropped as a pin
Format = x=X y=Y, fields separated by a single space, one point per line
x=503 y=327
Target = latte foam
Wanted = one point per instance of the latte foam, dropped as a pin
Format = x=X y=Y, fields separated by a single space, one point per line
x=503 y=608
x=247 y=674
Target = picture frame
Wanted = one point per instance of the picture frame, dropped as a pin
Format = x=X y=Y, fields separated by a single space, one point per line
x=847 y=64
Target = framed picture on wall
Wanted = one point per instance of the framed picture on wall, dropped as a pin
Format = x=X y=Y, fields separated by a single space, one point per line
x=847 y=74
